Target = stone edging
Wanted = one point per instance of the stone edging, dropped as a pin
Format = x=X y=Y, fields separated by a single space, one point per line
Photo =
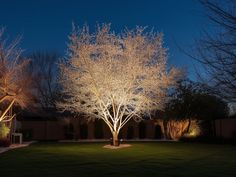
x=117 y=147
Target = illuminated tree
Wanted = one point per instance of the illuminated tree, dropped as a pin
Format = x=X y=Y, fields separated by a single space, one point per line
x=115 y=77
x=14 y=80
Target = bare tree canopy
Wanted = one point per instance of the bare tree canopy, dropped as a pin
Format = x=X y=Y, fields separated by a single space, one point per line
x=44 y=69
x=14 y=79
x=217 y=48
x=115 y=77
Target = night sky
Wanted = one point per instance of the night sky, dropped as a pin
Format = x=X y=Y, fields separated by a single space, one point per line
x=45 y=25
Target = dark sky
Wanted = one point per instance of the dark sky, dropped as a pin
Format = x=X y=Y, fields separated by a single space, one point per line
x=46 y=24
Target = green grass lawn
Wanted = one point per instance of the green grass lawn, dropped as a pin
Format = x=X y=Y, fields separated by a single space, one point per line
x=142 y=159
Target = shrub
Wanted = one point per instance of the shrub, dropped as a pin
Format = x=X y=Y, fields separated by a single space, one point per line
x=4 y=130
x=4 y=142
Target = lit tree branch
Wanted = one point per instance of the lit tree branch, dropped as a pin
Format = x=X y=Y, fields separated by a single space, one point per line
x=14 y=80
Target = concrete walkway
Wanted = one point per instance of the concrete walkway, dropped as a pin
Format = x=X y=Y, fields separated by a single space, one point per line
x=15 y=146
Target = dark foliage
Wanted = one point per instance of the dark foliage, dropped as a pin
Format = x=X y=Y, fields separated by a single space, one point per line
x=5 y=143
x=192 y=100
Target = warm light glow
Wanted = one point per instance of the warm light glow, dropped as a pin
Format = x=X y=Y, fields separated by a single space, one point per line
x=175 y=129
x=195 y=129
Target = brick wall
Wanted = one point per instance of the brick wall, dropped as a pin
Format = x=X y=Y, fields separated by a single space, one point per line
x=55 y=130
x=226 y=128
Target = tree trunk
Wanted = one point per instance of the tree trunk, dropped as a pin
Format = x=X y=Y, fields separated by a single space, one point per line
x=115 y=139
x=189 y=124
x=162 y=129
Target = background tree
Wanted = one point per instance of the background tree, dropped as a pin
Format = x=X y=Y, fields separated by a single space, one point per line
x=115 y=77
x=216 y=50
x=14 y=79
x=44 y=69
x=191 y=101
